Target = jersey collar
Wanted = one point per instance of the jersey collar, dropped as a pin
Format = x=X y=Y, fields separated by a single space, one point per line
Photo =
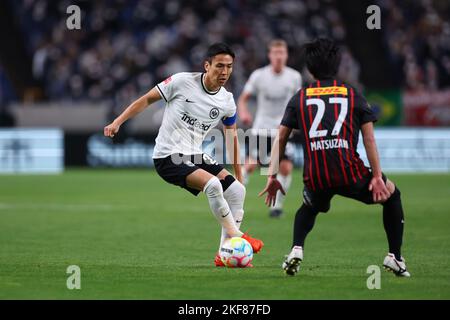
x=279 y=73
x=204 y=87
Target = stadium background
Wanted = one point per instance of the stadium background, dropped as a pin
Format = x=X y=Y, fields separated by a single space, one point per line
x=78 y=80
x=65 y=85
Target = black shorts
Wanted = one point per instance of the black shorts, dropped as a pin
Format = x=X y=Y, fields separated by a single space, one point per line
x=175 y=168
x=263 y=156
x=320 y=199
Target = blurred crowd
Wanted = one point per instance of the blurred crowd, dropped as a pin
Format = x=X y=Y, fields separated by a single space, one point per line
x=124 y=47
x=417 y=33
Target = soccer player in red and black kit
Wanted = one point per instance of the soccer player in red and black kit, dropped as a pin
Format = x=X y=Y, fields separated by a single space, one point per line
x=329 y=115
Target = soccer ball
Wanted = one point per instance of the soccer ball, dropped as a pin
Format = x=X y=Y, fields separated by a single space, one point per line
x=236 y=253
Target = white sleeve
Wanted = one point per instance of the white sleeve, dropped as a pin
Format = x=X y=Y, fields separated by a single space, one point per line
x=251 y=86
x=168 y=88
x=230 y=117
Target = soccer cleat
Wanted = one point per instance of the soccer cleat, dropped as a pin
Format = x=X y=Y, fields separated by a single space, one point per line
x=255 y=243
x=275 y=213
x=396 y=266
x=291 y=264
x=218 y=261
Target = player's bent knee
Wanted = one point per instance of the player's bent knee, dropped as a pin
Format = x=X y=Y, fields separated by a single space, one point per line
x=396 y=194
x=390 y=186
x=227 y=182
x=323 y=207
x=308 y=209
x=213 y=187
x=233 y=190
x=395 y=197
x=240 y=189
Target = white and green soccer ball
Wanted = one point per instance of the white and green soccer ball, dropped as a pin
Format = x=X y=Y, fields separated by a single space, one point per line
x=236 y=252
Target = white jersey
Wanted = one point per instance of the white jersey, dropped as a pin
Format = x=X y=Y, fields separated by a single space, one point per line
x=191 y=112
x=273 y=91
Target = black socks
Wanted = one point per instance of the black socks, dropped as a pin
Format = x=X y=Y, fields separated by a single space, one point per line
x=393 y=223
x=304 y=222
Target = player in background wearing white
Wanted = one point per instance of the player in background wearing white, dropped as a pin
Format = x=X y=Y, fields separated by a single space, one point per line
x=272 y=85
x=195 y=103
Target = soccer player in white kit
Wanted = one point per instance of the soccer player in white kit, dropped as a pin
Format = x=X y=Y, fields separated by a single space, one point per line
x=272 y=85
x=195 y=103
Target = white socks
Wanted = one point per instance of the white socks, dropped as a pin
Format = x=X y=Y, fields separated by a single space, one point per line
x=214 y=192
x=235 y=196
x=285 y=183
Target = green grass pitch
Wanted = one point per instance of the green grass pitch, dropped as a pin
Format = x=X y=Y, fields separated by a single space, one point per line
x=136 y=237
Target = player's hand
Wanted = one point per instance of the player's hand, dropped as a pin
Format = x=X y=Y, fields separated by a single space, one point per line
x=380 y=193
x=111 y=130
x=246 y=118
x=272 y=187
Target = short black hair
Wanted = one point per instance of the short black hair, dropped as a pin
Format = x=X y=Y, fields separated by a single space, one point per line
x=218 y=48
x=322 y=58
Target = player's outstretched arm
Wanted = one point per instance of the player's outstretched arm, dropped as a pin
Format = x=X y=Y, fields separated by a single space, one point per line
x=133 y=109
x=278 y=147
x=379 y=190
x=232 y=145
x=244 y=114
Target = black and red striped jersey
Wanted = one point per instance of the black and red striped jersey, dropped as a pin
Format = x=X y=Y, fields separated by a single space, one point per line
x=329 y=115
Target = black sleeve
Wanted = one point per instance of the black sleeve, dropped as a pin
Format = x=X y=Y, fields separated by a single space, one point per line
x=290 y=118
x=364 y=109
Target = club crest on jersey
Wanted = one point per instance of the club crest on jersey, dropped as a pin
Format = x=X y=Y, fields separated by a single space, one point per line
x=214 y=113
